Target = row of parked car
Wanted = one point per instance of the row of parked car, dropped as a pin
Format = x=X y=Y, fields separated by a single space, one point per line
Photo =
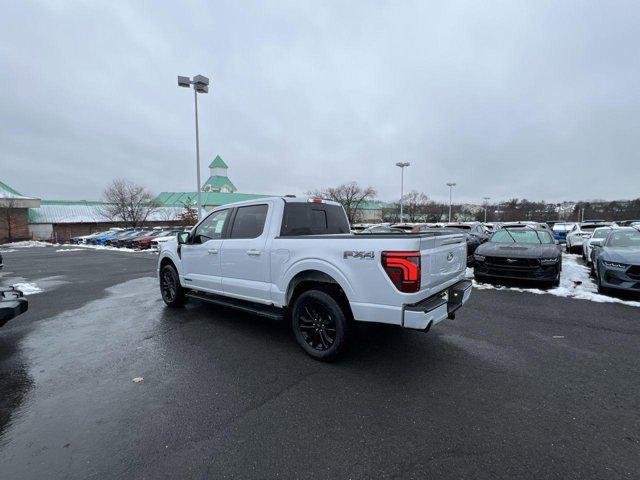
x=532 y=251
x=132 y=238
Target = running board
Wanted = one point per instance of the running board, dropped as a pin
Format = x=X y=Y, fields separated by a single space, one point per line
x=269 y=311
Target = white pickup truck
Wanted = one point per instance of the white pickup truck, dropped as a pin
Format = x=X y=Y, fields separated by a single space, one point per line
x=295 y=259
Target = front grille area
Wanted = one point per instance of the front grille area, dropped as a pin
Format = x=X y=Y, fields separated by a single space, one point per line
x=634 y=271
x=513 y=262
x=537 y=272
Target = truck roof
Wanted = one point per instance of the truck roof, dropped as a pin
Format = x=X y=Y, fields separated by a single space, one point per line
x=286 y=199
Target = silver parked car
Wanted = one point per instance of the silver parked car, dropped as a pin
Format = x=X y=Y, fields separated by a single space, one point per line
x=616 y=260
x=599 y=233
x=580 y=232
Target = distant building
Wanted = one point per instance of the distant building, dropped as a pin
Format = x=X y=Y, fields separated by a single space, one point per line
x=14 y=213
x=60 y=220
x=217 y=190
x=218 y=181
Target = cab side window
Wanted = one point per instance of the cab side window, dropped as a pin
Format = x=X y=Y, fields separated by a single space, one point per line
x=249 y=221
x=211 y=227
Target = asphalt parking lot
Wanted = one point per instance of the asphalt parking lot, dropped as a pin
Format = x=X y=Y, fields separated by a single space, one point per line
x=518 y=386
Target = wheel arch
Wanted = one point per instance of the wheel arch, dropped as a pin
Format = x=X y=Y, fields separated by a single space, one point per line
x=312 y=279
x=167 y=261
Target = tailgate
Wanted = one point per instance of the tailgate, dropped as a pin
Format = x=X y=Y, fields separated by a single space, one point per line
x=443 y=259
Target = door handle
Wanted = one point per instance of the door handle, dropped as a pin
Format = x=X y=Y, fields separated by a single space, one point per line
x=212 y=251
x=253 y=252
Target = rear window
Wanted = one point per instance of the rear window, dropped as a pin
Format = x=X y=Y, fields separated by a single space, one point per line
x=562 y=227
x=313 y=219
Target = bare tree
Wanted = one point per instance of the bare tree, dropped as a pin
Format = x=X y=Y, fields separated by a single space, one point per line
x=349 y=195
x=415 y=206
x=127 y=202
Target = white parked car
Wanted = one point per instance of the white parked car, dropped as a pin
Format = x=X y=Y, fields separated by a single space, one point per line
x=599 y=233
x=295 y=259
x=582 y=231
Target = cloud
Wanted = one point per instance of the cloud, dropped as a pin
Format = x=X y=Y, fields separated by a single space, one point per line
x=533 y=100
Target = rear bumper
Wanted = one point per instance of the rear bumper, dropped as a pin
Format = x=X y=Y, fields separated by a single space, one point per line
x=436 y=308
x=561 y=237
x=576 y=242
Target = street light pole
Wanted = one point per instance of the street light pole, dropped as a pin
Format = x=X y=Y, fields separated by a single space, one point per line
x=200 y=85
x=195 y=97
x=450 y=185
x=486 y=202
x=402 y=165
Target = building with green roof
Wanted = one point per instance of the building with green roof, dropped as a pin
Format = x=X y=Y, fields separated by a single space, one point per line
x=217 y=190
x=14 y=213
x=218 y=180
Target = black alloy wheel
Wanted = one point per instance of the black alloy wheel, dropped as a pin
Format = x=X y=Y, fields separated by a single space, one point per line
x=319 y=324
x=170 y=288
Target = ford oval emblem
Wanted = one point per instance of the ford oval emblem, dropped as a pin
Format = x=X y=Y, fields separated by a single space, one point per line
x=449 y=256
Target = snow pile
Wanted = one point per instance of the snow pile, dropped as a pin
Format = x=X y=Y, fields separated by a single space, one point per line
x=575 y=282
x=28 y=288
x=30 y=244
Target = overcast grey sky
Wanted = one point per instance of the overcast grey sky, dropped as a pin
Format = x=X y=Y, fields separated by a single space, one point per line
x=536 y=99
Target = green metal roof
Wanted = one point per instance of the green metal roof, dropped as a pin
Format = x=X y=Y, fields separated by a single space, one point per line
x=210 y=199
x=72 y=202
x=218 y=163
x=7 y=188
x=219 y=181
x=375 y=205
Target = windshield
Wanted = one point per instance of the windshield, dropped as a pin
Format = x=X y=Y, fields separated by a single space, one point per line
x=624 y=239
x=601 y=232
x=521 y=235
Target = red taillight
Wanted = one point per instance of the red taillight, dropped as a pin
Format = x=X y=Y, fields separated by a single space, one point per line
x=403 y=269
x=316 y=200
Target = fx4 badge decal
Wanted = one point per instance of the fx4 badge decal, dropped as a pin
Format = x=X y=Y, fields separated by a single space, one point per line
x=359 y=254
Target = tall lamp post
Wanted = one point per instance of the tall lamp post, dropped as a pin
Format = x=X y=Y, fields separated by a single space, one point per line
x=486 y=202
x=402 y=165
x=450 y=185
x=200 y=85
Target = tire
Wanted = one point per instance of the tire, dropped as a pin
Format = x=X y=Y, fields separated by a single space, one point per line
x=320 y=325
x=170 y=288
x=601 y=290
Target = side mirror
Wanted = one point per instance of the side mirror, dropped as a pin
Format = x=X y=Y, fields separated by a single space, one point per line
x=596 y=243
x=183 y=237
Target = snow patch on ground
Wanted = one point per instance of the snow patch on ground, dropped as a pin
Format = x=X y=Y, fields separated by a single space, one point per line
x=575 y=282
x=28 y=288
x=30 y=244
x=70 y=250
x=7 y=251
